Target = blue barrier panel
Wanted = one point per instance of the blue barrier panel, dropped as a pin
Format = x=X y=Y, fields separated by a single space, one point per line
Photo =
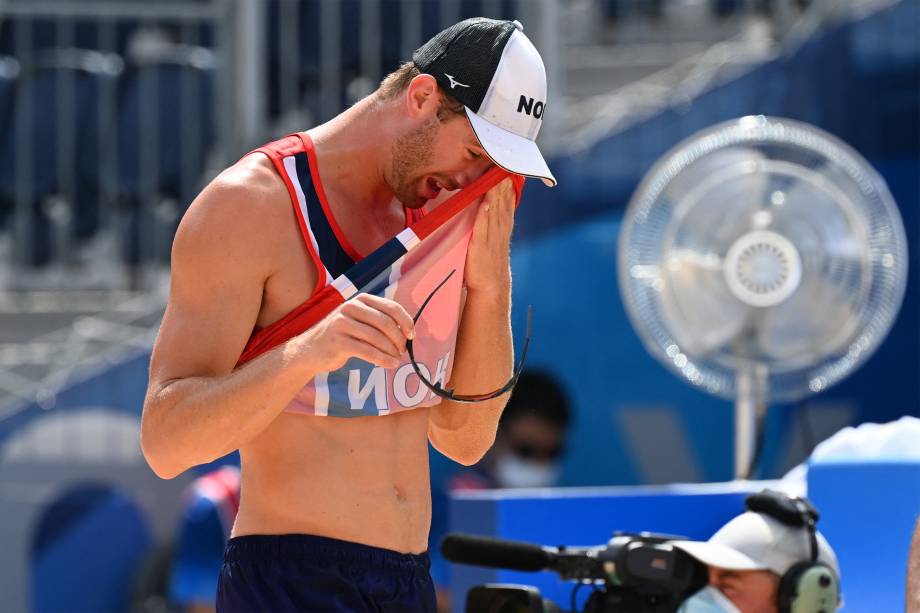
x=87 y=550
x=868 y=511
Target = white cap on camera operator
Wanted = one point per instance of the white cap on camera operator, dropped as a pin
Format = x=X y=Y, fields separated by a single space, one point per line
x=750 y=559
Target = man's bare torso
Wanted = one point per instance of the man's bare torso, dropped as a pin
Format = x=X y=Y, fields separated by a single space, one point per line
x=361 y=479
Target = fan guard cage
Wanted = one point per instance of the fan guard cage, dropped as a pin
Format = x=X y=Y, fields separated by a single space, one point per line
x=649 y=225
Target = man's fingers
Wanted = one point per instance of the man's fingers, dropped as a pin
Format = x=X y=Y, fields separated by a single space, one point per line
x=358 y=311
x=369 y=353
x=499 y=204
x=501 y=199
x=398 y=316
x=502 y=189
x=481 y=224
x=506 y=212
x=374 y=337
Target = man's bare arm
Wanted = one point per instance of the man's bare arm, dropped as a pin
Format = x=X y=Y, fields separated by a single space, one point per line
x=197 y=407
x=913 y=574
x=464 y=432
x=484 y=353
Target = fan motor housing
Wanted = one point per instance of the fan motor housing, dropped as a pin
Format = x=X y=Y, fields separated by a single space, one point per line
x=762 y=268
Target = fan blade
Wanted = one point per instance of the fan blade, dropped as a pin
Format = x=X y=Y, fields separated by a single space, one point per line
x=697 y=304
x=715 y=200
x=822 y=316
x=818 y=320
x=811 y=209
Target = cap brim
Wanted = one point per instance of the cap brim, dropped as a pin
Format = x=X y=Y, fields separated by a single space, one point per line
x=512 y=152
x=714 y=554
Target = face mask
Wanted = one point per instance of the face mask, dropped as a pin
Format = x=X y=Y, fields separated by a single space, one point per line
x=708 y=600
x=512 y=471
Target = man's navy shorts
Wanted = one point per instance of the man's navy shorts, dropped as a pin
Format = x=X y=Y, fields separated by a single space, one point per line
x=299 y=572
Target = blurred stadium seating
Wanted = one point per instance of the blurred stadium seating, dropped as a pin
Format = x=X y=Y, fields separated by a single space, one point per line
x=120 y=110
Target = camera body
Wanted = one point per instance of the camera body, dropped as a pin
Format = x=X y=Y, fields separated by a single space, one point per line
x=508 y=598
x=632 y=572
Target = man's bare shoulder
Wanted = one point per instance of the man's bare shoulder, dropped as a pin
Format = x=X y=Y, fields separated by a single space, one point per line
x=246 y=204
x=250 y=189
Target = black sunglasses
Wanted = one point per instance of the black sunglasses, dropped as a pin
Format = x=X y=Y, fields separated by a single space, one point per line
x=449 y=393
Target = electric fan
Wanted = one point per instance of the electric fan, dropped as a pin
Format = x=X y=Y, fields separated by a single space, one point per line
x=762 y=260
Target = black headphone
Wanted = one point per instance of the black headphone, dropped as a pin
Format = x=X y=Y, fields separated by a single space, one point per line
x=809 y=586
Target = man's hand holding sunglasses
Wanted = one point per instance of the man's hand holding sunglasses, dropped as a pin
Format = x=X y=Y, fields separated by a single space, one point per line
x=368 y=327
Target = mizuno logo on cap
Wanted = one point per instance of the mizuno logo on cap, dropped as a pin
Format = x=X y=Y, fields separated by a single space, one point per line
x=528 y=106
x=453 y=82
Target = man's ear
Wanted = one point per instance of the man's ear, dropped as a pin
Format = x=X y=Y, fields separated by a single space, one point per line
x=422 y=97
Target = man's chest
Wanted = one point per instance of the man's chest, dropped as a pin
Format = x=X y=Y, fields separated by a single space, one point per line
x=362 y=231
x=296 y=274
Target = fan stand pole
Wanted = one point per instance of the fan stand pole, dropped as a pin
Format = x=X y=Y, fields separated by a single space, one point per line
x=750 y=404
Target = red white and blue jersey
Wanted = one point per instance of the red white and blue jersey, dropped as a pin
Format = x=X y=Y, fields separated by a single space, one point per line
x=405 y=269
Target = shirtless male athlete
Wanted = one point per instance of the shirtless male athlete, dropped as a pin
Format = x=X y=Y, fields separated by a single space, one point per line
x=335 y=513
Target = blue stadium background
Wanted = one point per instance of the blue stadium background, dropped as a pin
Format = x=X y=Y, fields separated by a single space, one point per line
x=858 y=80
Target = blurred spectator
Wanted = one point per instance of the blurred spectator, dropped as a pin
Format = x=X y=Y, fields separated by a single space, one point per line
x=528 y=451
x=530 y=441
x=210 y=510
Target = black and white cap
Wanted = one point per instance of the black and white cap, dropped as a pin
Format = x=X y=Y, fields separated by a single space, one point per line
x=496 y=72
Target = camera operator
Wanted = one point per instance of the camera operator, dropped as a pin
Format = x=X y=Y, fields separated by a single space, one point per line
x=767 y=562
